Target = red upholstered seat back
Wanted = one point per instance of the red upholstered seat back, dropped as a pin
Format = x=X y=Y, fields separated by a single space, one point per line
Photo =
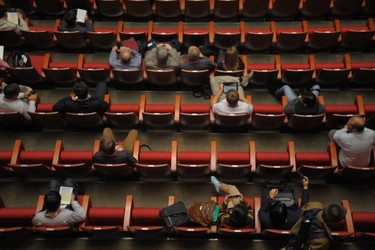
x=5 y=156
x=345 y=29
x=195 y=108
x=49 y=29
x=341 y=109
x=272 y=158
x=124 y=108
x=268 y=108
x=329 y=65
x=261 y=66
x=106 y=216
x=96 y=65
x=286 y=66
x=358 y=65
x=71 y=65
x=154 y=157
x=194 y=157
x=16 y=216
x=196 y=30
x=364 y=221
x=313 y=158
x=291 y=29
x=227 y=31
x=369 y=109
x=37 y=62
x=33 y=157
x=142 y=216
x=44 y=107
x=159 y=108
x=234 y=157
x=321 y=29
x=76 y=156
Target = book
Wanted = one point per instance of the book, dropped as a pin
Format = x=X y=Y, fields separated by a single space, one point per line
x=66 y=194
x=81 y=14
x=1 y=52
x=13 y=17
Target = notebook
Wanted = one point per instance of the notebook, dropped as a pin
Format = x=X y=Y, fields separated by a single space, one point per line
x=13 y=17
x=81 y=14
x=66 y=194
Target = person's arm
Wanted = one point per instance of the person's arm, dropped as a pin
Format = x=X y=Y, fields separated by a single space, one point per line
x=22 y=23
x=131 y=161
x=305 y=192
x=150 y=58
x=60 y=105
x=210 y=64
x=104 y=107
x=175 y=58
x=136 y=58
x=218 y=94
x=113 y=61
x=290 y=109
x=88 y=25
x=78 y=214
x=243 y=99
x=32 y=102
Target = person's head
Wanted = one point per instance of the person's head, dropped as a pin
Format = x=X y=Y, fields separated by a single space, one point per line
x=238 y=216
x=334 y=213
x=308 y=98
x=125 y=55
x=11 y=91
x=232 y=97
x=356 y=124
x=81 y=90
x=70 y=18
x=107 y=145
x=231 y=58
x=162 y=55
x=278 y=213
x=3 y=11
x=52 y=201
x=193 y=54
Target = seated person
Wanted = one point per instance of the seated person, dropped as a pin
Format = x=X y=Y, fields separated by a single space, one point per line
x=355 y=141
x=276 y=214
x=230 y=61
x=13 y=100
x=7 y=25
x=197 y=61
x=82 y=101
x=307 y=103
x=233 y=102
x=69 y=23
x=55 y=215
x=234 y=211
x=162 y=57
x=110 y=153
x=124 y=58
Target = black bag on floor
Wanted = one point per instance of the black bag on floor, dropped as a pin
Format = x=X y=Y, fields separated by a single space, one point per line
x=175 y=215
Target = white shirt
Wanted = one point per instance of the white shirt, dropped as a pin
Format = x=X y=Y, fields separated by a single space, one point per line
x=356 y=147
x=18 y=105
x=223 y=107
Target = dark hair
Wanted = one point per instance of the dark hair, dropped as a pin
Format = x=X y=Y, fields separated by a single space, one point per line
x=3 y=10
x=278 y=213
x=232 y=97
x=70 y=17
x=334 y=213
x=52 y=200
x=308 y=98
x=11 y=90
x=238 y=215
x=81 y=90
x=107 y=145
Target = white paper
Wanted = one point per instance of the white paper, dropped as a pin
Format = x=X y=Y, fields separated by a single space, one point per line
x=81 y=14
x=66 y=194
x=13 y=17
x=1 y=52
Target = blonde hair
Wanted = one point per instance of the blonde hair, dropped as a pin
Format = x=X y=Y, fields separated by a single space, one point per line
x=231 y=60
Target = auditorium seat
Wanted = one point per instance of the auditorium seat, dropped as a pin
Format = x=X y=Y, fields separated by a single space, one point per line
x=338 y=114
x=356 y=35
x=123 y=116
x=323 y=36
x=234 y=164
x=54 y=8
x=155 y=165
x=101 y=40
x=165 y=32
x=70 y=40
x=295 y=71
x=11 y=120
x=196 y=33
x=244 y=232
x=123 y=78
x=60 y=231
x=60 y=73
x=31 y=163
x=104 y=222
x=30 y=76
x=364 y=225
x=284 y=9
x=254 y=9
x=194 y=78
x=225 y=10
x=15 y=222
x=369 y=9
x=274 y=165
x=363 y=72
x=112 y=9
x=138 y=30
x=370 y=115
x=93 y=72
x=346 y=8
x=194 y=165
x=225 y=34
x=159 y=78
x=84 y=121
x=268 y=117
x=311 y=10
x=195 y=117
x=317 y=165
x=196 y=10
x=72 y=163
x=264 y=74
x=139 y=10
x=39 y=39
x=290 y=37
x=259 y=37
x=5 y=158
x=87 y=5
x=168 y=10
x=25 y=5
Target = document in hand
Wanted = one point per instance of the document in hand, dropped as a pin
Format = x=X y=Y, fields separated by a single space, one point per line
x=66 y=194
x=81 y=14
x=13 y=17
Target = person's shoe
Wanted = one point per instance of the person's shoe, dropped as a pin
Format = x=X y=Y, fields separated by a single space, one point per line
x=216 y=183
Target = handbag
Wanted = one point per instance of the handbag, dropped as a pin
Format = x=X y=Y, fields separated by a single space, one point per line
x=175 y=215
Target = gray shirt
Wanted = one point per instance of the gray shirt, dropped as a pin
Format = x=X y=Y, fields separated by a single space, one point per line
x=66 y=217
x=174 y=59
x=6 y=25
x=117 y=63
x=355 y=147
x=17 y=105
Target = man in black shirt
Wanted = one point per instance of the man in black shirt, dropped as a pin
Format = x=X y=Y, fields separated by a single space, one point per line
x=110 y=153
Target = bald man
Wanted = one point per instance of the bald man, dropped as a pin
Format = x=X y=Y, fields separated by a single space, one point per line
x=197 y=61
x=124 y=58
x=355 y=141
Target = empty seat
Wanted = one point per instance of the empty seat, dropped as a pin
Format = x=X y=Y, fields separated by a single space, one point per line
x=195 y=117
x=122 y=116
x=268 y=117
x=161 y=77
x=53 y=8
x=356 y=36
x=257 y=37
x=70 y=40
x=254 y=9
x=91 y=120
x=168 y=9
x=264 y=74
x=322 y=37
x=39 y=39
x=364 y=225
x=110 y=8
x=139 y=9
x=60 y=73
x=226 y=9
x=194 y=78
x=346 y=8
x=312 y=10
x=289 y=38
x=225 y=35
x=363 y=73
x=281 y=9
x=93 y=72
x=196 y=10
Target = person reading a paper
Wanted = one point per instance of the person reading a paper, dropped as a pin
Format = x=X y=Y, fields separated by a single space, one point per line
x=60 y=205
x=12 y=20
x=76 y=20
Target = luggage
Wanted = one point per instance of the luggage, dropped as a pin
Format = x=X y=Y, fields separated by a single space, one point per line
x=175 y=215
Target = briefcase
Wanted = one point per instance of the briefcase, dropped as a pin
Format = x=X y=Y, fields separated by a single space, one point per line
x=175 y=215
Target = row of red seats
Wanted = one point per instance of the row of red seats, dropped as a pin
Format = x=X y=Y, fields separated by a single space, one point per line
x=350 y=71
x=136 y=221
x=164 y=165
x=203 y=9
x=253 y=37
x=192 y=117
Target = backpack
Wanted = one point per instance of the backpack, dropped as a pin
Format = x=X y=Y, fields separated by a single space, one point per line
x=285 y=194
x=19 y=59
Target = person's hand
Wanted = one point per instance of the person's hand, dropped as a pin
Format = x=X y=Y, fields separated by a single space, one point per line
x=123 y=48
x=167 y=46
x=72 y=198
x=305 y=182
x=19 y=15
x=86 y=17
x=273 y=193
x=115 y=47
x=74 y=97
x=33 y=97
x=221 y=87
x=119 y=148
x=227 y=199
x=160 y=44
x=28 y=92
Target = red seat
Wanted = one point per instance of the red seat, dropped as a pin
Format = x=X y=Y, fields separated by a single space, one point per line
x=364 y=225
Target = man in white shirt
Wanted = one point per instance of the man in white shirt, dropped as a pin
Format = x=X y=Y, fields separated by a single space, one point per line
x=356 y=143
x=10 y=101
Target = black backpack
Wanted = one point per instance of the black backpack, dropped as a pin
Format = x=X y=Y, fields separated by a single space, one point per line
x=19 y=59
